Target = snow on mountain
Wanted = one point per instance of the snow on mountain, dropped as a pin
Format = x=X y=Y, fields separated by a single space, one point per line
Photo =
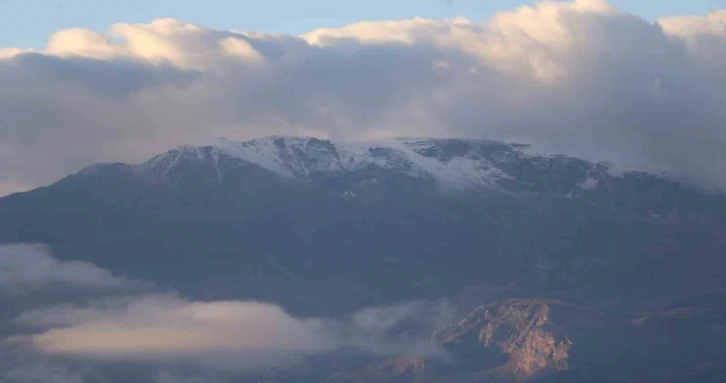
x=451 y=163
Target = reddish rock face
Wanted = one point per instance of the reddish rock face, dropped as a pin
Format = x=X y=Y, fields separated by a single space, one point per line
x=511 y=340
x=533 y=335
x=547 y=341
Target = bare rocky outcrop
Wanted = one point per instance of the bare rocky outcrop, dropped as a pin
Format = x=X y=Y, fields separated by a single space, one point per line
x=506 y=341
x=535 y=335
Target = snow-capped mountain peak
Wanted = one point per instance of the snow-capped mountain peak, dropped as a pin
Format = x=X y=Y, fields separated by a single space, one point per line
x=448 y=162
x=451 y=164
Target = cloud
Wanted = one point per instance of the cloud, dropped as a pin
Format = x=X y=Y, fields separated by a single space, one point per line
x=232 y=335
x=25 y=268
x=578 y=77
x=693 y=26
x=162 y=41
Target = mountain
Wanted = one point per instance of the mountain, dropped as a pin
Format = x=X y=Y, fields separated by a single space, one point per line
x=324 y=228
x=446 y=164
x=547 y=340
x=506 y=340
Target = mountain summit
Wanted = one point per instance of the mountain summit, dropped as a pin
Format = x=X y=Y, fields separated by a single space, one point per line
x=443 y=164
x=450 y=163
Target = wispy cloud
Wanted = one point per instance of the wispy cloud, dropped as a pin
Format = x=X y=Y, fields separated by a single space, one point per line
x=29 y=267
x=228 y=334
x=82 y=319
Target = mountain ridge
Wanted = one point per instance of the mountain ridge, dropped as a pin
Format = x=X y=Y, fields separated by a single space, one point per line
x=281 y=154
x=448 y=164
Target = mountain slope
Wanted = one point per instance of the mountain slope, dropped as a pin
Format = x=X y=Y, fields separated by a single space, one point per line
x=324 y=228
x=295 y=219
x=545 y=340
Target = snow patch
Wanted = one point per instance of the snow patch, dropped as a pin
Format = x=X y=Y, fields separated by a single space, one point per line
x=589 y=184
x=262 y=153
x=301 y=158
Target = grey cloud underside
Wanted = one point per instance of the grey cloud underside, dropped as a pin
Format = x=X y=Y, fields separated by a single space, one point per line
x=602 y=84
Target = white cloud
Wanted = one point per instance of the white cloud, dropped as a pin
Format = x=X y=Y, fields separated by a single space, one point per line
x=164 y=40
x=25 y=267
x=693 y=26
x=226 y=334
x=576 y=77
x=6 y=53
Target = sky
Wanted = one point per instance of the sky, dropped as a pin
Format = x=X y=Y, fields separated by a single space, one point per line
x=22 y=25
x=638 y=83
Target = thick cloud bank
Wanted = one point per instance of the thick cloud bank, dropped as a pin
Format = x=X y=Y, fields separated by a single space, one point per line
x=578 y=77
x=28 y=268
x=228 y=334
